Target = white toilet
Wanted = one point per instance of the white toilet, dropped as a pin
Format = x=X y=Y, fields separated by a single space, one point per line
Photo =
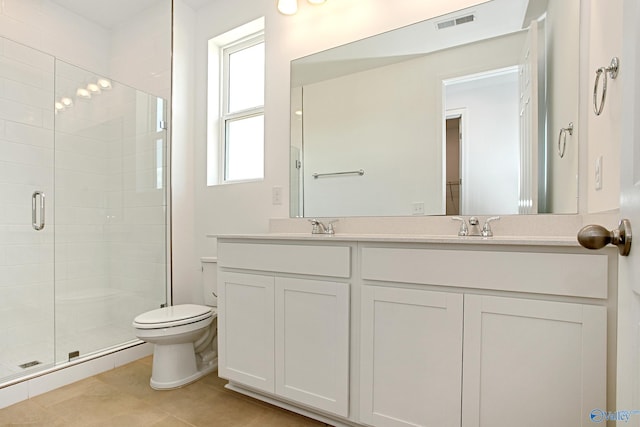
x=184 y=337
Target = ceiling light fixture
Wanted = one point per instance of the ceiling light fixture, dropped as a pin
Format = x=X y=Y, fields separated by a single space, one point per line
x=290 y=7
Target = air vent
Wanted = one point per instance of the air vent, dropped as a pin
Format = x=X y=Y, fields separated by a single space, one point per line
x=456 y=21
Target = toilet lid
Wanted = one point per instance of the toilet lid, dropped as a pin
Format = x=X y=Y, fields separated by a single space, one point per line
x=175 y=315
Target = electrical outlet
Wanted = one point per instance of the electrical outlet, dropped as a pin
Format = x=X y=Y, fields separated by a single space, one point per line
x=276 y=195
x=417 y=208
x=598 y=174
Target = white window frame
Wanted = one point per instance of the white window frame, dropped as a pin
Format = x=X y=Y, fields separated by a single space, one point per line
x=227 y=117
x=217 y=97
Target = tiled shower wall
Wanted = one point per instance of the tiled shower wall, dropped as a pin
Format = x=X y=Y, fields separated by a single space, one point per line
x=137 y=207
x=82 y=136
x=44 y=25
x=110 y=216
x=137 y=52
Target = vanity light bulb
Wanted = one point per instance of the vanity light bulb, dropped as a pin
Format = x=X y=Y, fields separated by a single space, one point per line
x=288 y=7
x=67 y=102
x=59 y=106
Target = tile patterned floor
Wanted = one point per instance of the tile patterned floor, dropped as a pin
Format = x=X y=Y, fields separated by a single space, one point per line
x=122 y=397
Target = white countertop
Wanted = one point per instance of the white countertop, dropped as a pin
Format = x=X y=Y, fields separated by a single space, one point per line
x=511 y=230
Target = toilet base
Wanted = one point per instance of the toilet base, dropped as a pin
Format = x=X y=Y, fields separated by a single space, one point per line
x=175 y=365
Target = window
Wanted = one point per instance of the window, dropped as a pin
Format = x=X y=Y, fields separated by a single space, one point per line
x=243 y=110
x=236 y=108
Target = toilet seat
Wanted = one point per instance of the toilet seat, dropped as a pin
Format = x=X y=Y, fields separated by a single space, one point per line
x=172 y=316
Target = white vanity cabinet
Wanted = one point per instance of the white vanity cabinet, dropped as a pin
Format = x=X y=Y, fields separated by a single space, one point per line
x=312 y=343
x=246 y=347
x=379 y=332
x=476 y=355
x=282 y=333
x=410 y=357
x=530 y=362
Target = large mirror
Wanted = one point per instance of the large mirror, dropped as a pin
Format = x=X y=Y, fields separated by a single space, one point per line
x=474 y=112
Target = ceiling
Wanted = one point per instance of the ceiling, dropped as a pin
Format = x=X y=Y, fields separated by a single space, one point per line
x=110 y=13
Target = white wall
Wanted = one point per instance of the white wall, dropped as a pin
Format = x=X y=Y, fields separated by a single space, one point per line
x=604 y=134
x=140 y=54
x=183 y=203
x=562 y=27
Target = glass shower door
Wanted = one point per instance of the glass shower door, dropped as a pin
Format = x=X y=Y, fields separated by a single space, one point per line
x=26 y=210
x=111 y=207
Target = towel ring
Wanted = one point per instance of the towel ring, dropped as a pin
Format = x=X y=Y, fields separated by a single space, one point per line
x=612 y=70
x=562 y=139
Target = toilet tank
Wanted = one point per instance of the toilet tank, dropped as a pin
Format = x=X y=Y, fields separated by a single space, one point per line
x=210 y=280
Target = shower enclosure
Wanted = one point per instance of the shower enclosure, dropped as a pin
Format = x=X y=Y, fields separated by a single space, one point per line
x=83 y=210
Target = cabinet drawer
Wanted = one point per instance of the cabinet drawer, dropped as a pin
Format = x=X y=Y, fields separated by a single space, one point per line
x=567 y=274
x=319 y=260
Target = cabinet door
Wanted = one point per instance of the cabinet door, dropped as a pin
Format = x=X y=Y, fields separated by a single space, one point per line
x=411 y=357
x=245 y=329
x=532 y=363
x=312 y=343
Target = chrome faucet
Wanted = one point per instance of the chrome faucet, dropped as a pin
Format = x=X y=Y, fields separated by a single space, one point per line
x=472 y=229
x=320 y=228
x=473 y=226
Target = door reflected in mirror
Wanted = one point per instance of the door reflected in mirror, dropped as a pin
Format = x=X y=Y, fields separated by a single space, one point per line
x=507 y=77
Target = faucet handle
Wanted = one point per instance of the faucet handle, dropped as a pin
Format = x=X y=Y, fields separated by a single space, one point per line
x=486 y=228
x=464 y=230
x=330 y=229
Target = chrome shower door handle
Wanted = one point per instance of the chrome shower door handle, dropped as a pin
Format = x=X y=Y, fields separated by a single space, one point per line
x=37 y=225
